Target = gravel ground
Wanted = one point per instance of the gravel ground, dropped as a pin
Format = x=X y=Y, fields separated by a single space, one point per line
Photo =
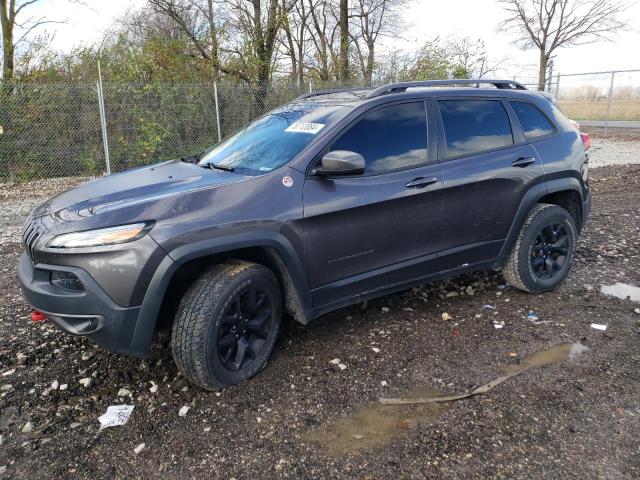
x=305 y=416
x=605 y=151
x=18 y=199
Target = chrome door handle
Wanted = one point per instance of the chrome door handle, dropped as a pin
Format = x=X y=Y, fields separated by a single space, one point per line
x=523 y=162
x=421 y=182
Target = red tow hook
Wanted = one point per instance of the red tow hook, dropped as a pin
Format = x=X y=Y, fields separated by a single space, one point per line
x=38 y=316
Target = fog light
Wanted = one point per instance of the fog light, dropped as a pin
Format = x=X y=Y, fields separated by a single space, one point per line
x=67 y=281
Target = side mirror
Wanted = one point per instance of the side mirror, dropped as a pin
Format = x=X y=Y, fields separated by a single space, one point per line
x=340 y=162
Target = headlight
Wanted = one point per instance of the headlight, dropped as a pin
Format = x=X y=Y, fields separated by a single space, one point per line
x=102 y=236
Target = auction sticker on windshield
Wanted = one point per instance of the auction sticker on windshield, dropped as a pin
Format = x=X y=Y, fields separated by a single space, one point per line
x=305 y=127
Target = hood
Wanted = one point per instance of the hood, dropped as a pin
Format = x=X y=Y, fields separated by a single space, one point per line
x=133 y=187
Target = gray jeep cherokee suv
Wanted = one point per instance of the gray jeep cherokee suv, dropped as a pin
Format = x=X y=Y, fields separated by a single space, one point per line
x=333 y=199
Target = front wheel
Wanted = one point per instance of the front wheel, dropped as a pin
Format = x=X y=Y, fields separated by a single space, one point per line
x=544 y=250
x=227 y=324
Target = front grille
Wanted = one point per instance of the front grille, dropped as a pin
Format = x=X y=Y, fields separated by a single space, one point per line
x=31 y=233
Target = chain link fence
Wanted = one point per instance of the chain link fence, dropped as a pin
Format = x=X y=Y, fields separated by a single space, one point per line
x=600 y=98
x=55 y=130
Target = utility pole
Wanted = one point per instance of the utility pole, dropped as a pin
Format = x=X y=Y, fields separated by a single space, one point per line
x=103 y=120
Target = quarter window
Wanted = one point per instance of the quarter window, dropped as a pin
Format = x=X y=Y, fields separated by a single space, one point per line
x=534 y=123
x=389 y=138
x=474 y=126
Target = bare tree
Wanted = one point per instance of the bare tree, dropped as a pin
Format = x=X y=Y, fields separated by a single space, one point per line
x=550 y=24
x=213 y=35
x=251 y=33
x=256 y=26
x=373 y=19
x=343 y=22
x=470 y=56
x=323 y=29
x=10 y=10
x=198 y=23
x=296 y=26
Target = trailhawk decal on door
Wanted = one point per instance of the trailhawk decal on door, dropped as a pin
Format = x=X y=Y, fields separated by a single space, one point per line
x=350 y=257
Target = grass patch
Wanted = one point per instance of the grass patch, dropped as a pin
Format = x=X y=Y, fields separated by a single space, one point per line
x=597 y=109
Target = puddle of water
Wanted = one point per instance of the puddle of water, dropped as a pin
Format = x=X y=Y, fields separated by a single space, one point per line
x=376 y=425
x=551 y=356
x=622 y=290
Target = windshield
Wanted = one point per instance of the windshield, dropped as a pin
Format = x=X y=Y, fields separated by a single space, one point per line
x=272 y=140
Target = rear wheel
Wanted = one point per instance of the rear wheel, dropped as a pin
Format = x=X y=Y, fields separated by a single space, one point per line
x=542 y=255
x=227 y=324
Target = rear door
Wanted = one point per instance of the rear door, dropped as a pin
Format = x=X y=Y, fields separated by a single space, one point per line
x=354 y=226
x=487 y=167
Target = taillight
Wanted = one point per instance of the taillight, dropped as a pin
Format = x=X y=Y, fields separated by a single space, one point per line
x=586 y=140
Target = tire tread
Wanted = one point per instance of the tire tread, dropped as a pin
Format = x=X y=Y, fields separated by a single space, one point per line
x=511 y=270
x=189 y=332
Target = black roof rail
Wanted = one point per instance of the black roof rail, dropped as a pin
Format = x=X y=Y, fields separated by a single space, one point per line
x=402 y=86
x=329 y=91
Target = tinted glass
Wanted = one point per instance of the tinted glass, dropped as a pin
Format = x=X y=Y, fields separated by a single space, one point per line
x=390 y=138
x=534 y=123
x=473 y=126
x=274 y=139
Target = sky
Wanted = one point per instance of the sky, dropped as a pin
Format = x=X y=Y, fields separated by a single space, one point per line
x=425 y=19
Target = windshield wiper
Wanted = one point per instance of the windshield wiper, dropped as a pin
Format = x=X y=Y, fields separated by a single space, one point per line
x=226 y=168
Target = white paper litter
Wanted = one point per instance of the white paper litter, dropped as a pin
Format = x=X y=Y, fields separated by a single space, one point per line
x=115 y=415
x=599 y=326
x=489 y=307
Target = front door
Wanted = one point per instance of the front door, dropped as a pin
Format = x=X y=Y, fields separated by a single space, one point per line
x=356 y=226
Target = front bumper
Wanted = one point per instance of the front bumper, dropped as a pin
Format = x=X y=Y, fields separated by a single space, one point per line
x=91 y=313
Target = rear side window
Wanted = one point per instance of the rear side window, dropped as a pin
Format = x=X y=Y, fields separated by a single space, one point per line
x=534 y=123
x=389 y=138
x=474 y=126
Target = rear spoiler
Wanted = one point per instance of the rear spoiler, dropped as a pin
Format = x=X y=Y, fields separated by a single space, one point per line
x=549 y=96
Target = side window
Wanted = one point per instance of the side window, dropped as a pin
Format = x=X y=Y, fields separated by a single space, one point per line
x=389 y=138
x=474 y=126
x=534 y=123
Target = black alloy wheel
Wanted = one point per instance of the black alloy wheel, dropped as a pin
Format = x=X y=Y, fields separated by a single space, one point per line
x=244 y=328
x=549 y=250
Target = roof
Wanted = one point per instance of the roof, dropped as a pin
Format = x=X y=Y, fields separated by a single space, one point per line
x=352 y=97
x=347 y=97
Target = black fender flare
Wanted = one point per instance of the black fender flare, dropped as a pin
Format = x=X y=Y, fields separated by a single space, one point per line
x=147 y=318
x=566 y=183
x=533 y=196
